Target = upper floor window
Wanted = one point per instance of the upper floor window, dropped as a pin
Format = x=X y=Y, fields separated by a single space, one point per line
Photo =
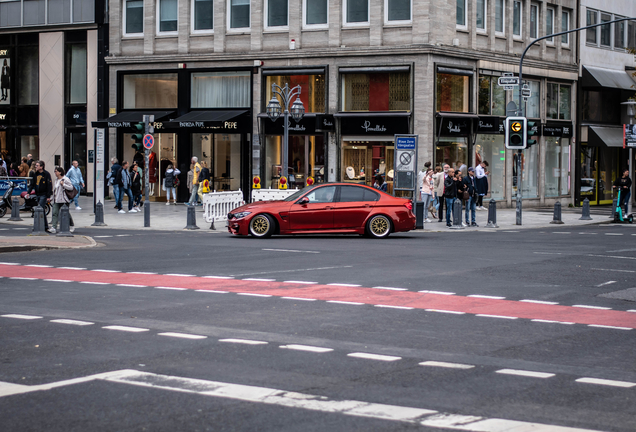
x=516 y=19
x=619 y=34
x=532 y=104
x=76 y=73
x=500 y=15
x=565 y=26
x=312 y=93
x=591 y=34
x=397 y=11
x=492 y=97
x=59 y=11
x=277 y=16
x=461 y=14
x=356 y=12
x=220 y=90
x=133 y=17
x=376 y=92
x=167 y=16
x=549 y=24
x=148 y=91
x=558 y=101
x=202 y=16
x=481 y=14
x=606 y=30
x=239 y=14
x=27 y=76
x=453 y=90
x=534 y=21
x=316 y=13
x=631 y=34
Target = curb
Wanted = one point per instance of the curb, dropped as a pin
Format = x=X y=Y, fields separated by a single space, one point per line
x=28 y=248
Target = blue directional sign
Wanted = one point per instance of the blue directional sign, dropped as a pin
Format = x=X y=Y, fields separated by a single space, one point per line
x=148 y=141
x=405 y=142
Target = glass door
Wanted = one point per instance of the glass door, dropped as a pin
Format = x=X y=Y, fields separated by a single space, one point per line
x=77 y=152
x=589 y=180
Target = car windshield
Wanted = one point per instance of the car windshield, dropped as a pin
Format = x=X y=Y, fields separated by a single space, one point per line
x=296 y=195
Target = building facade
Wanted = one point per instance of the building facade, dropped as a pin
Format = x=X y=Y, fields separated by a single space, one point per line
x=368 y=69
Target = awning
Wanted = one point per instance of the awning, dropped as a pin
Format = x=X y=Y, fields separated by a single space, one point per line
x=127 y=118
x=206 y=119
x=602 y=135
x=601 y=77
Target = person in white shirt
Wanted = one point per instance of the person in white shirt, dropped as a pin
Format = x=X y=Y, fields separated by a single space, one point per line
x=482 y=183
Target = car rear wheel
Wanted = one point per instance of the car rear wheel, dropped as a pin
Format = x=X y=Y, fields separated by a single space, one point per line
x=262 y=226
x=379 y=226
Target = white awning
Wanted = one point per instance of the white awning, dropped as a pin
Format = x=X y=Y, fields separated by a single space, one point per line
x=601 y=77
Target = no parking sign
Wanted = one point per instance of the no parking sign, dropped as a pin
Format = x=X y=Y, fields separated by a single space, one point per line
x=148 y=141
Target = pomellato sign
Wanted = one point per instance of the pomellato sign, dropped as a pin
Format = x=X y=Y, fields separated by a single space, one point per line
x=379 y=125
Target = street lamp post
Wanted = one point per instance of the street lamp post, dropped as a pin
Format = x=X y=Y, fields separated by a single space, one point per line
x=274 y=110
x=631 y=111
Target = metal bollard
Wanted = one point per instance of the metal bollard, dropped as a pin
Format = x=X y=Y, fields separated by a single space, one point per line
x=39 y=228
x=15 y=210
x=212 y=227
x=192 y=219
x=614 y=204
x=556 y=219
x=492 y=214
x=457 y=215
x=585 y=215
x=65 y=222
x=99 y=215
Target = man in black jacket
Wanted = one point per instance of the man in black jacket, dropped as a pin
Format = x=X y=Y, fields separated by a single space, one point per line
x=624 y=184
x=450 y=193
x=42 y=188
x=471 y=187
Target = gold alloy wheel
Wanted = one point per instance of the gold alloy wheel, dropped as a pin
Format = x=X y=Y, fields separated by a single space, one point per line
x=260 y=225
x=380 y=226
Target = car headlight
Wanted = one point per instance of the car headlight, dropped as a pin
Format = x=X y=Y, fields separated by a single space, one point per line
x=241 y=215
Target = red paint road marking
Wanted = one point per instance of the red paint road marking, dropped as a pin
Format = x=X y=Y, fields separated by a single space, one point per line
x=416 y=300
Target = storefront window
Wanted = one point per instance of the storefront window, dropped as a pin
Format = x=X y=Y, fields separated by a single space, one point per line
x=363 y=160
x=222 y=155
x=490 y=148
x=220 y=90
x=453 y=92
x=27 y=76
x=30 y=144
x=147 y=91
x=162 y=154
x=558 y=101
x=306 y=158
x=376 y=92
x=532 y=105
x=76 y=73
x=492 y=97
x=312 y=89
x=452 y=151
x=557 y=166
x=530 y=172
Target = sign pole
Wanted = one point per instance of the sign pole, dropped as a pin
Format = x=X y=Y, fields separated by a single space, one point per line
x=148 y=143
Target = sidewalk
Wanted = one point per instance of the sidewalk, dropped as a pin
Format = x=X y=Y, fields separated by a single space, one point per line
x=29 y=243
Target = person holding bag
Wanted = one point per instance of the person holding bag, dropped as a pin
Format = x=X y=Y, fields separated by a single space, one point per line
x=470 y=182
x=426 y=191
x=171 y=182
x=61 y=191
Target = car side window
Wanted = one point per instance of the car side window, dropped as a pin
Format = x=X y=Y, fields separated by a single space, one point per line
x=323 y=194
x=356 y=193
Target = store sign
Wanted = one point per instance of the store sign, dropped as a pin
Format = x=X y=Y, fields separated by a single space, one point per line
x=562 y=130
x=325 y=123
x=489 y=125
x=630 y=135
x=306 y=126
x=74 y=117
x=453 y=126
x=20 y=186
x=374 y=125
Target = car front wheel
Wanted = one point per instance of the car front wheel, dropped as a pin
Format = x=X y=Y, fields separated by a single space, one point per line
x=379 y=226
x=262 y=226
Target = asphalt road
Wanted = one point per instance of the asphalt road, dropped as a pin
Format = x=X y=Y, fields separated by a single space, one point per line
x=200 y=331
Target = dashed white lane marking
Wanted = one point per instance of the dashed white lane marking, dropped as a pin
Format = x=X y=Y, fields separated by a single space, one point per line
x=253 y=295
x=621 y=250
x=496 y=316
x=18 y=316
x=606 y=283
x=94 y=283
x=123 y=235
x=298 y=298
x=260 y=280
x=72 y=268
x=552 y=322
x=591 y=307
x=72 y=322
x=393 y=307
x=132 y=285
x=183 y=335
x=615 y=270
x=243 y=341
x=143 y=273
x=106 y=271
x=22 y=278
x=38 y=265
x=540 y=302
x=171 y=288
x=57 y=280
x=486 y=297
x=126 y=328
x=446 y=365
x=613 y=256
x=179 y=275
x=584 y=233
x=615 y=234
x=212 y=291
x=8 y=263
x=548 y=253
x=437 y=292
x=103 y=236
x=609 y=327
x=631 y=310
x=612 y=383
x=344 y=284
x=291 y=250
x=390 y=288
x=218 y=277
x=445 y=311
x=561 y=232
x=378 y=357
x=525 y=373
x=344 y=302
x=308 y=348
x=300 y=282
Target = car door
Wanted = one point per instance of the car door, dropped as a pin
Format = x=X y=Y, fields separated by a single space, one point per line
x=314 y=213
x=353 y=206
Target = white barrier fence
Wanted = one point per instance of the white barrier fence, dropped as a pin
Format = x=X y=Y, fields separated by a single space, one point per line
x=271 y=194
x=216 y=205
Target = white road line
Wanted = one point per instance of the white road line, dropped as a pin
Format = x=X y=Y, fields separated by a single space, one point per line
x=143 y=273
x=106 y=271
x=71 y=268
x=615 y=270
x=103 y=236
x=343 y=284
x=621 y=250
x=496 y=316
x=259 y=280
x=298 y=298
x=591 y=307
x=178 y=275
x=613 y=256
x=57 y=280
x=540 y=302
x=390 y=288
x=212 y=291
x=612 y=383
x=393 y=307
x=437 y=292
x=37 y=265
x=344 y=302
x=615 y=234
x=378 y=357
x=8 y=263
x=183 y=335
x=609 y=327
x=561 y=232
x=253 y=294
x=22 y=278
x=243 y=341
x=446 y=365
x=292 y=271
x=126 y=328
x=72 y=322
x=445 y=311
x=308 y=348
x=170 y=288
x=291 y=250
x=531 y=374
x=584 y=233
x=300 y=282
x=132 y=285
x=486 y=297
x=631 y=310
x=548 y=253
x=95 y=283
x=18 y=316
x=552 y=322
x=123 y=235
x=606 y=283
x=218 y=277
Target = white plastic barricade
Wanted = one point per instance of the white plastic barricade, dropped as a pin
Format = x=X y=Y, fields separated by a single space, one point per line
x=271 y=194
x=216 y=205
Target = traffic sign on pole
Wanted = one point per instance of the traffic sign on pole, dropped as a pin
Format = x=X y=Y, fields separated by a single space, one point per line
x=149 y=141
x=510 y=81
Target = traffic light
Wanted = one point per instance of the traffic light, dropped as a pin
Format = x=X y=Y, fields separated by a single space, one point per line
x=530 y=133
x=138 y=136
x=516 y=133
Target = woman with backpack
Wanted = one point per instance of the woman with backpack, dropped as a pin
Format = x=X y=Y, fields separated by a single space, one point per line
x=61 y=189
x=171 y=182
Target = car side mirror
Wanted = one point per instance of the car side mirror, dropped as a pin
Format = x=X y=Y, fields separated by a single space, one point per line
x=303 y=201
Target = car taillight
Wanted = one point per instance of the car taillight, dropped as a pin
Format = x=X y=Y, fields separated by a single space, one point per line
x=408 y=205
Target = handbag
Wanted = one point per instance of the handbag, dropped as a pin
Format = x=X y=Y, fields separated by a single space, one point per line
x=70 y=194
x=466 y=196
x=175 y=181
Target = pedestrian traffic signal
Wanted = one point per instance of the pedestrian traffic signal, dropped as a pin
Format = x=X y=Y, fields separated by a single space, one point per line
x=138 y=136
x=516 y=133
x=530 y=133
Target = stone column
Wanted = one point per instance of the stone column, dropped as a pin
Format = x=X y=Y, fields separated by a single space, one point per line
x=150 y=26
x=51 y=101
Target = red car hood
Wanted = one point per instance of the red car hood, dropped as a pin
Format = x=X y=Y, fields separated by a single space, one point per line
x=262 y=205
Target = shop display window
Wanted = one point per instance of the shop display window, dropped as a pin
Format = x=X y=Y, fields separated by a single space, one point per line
x=150 y=91
x=557 y=166
x=453 y=92
x=363 y=160
x=376 y=92
x=491 y=148
x=162 y=154
x=306 y=158
x=452 y=151
x=222 y=155
x=312 y=89
x=492 y=97
x=529 y=172
x=30 y=144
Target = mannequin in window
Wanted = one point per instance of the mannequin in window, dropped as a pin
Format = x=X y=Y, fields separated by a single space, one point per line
x=5 y=82
x=152 y=172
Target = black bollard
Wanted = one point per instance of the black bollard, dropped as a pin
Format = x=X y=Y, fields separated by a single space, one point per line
x=65 y=223
x=99 y=215
x=192 y=219
x=15 y=210
x=492 y=214
x=212 y=227
x=457 y=215
x=614 y=204
x=39 y=228
x=585 y=215
x=557 y=214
